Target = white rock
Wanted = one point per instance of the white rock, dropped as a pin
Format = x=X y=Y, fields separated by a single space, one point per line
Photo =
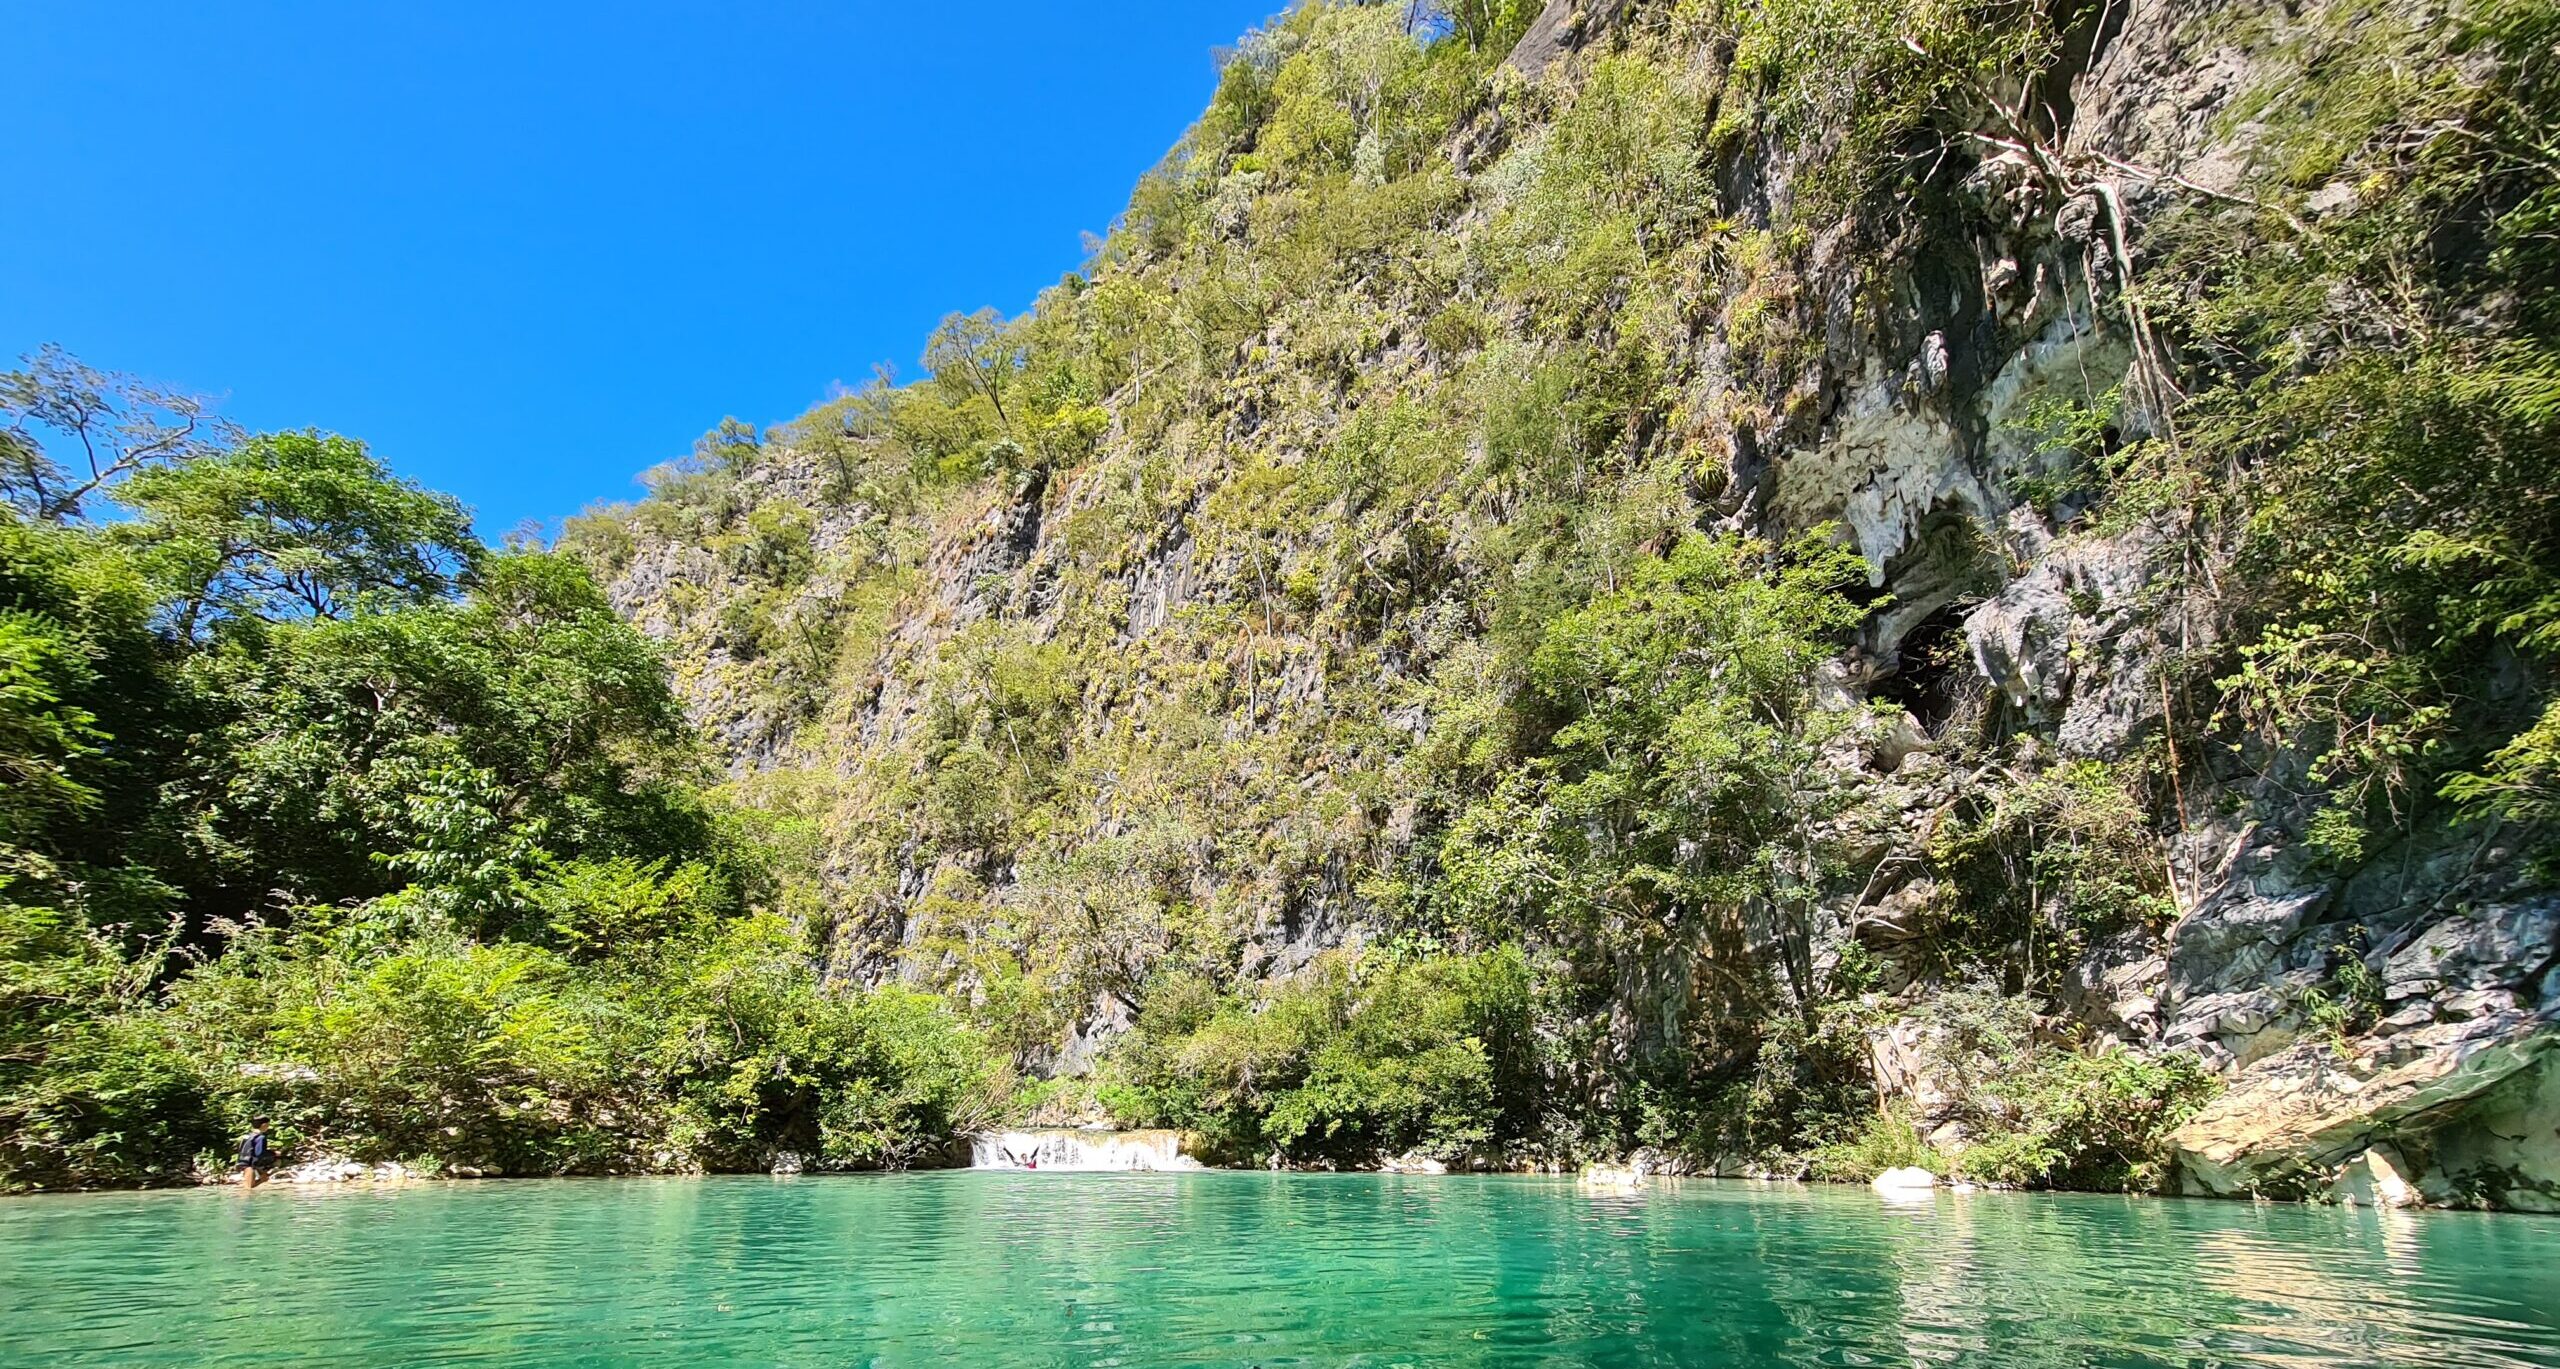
x=2302 y=1108
x=1907 y=1179
x=1612 y=1178
x=2375 y=1179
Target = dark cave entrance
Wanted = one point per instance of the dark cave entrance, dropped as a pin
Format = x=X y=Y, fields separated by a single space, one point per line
x=1929 y=671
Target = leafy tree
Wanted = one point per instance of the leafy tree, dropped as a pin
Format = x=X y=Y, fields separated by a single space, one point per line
x=74 y=431
x=1353 y=1059
x=760 y=1057
x=85 y=712
x=2383 y=395
x=976 y=356
x=1682 y=780
x=292 y=525
x=95 y=722
x=1488 y=24
x=455 y=744
x=2044 y=861
x=41 y=736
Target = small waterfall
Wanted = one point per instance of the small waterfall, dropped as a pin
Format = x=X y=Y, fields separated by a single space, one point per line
x=1060 y=1148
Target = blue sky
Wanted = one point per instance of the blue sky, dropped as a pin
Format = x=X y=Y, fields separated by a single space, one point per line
x=527 y=250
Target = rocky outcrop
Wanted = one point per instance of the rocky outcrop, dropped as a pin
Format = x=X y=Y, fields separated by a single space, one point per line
x=2309 y=1121
x=2076 y=643
x=1560 y=28
x=2451 y=1064
x=2377 y=1178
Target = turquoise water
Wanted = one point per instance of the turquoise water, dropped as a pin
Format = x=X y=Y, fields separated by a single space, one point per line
x=1251 y=1269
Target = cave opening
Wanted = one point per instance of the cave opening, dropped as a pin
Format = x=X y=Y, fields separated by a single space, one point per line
x=1930 y=669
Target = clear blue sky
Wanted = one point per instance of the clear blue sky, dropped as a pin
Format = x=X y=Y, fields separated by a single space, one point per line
x=527 y=250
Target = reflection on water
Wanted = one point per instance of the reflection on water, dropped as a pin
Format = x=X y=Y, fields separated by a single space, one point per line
x=1149 y=1269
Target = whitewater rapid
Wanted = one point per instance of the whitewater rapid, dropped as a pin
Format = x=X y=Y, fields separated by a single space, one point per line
x=1069 y=1150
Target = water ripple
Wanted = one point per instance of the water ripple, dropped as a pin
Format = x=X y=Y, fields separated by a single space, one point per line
x=1246 y=1269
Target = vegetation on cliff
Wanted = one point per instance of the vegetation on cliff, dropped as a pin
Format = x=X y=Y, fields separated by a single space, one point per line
x=1379 y=544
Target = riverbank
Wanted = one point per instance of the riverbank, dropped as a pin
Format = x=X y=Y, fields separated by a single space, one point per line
x=1060 y=1150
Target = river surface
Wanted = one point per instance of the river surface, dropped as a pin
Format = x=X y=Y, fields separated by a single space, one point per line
x=1252 y=1269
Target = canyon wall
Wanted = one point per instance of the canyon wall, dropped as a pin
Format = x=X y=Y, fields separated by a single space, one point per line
x=1209 y=673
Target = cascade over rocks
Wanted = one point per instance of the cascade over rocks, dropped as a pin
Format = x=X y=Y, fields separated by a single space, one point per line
x=1064 y=1150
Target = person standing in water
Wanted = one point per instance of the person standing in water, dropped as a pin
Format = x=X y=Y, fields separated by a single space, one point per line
x=257 y=1154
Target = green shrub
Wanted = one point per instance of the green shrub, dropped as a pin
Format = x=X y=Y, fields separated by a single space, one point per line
x=2048 y=860
x=497 y=1057
x=596 y=908
x=1889 y=1140
x=1806 y=1086
x=1350 y=1060
x=758 y=1056
x=93 y=1090
x=2083 y=1120
x=2386 y=397
x=715 y=1049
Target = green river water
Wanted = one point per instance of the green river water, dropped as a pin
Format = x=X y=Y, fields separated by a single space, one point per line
x=1252 y=1269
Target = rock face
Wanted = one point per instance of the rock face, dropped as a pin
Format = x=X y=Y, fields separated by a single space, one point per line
x=1559 y=29
x=2383 y=1031
x=2454 y=1070
x=2376 y=1178
x=2306 y=1122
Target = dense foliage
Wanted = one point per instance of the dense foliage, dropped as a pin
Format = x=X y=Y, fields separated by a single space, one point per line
x=319 y=808
x=1350 y=1061
x=2388 y=384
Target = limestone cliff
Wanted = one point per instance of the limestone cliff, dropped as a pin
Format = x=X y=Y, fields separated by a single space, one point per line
x=1203 y=673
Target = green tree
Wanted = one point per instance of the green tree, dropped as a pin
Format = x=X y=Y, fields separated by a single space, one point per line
x=73 y=431
x=977 y=356
x=1685 y=768
x=41 y=736
x=2386 y=394
x=452 y=744
x=292 y=525
x=1488 y=24
x=95 y=722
